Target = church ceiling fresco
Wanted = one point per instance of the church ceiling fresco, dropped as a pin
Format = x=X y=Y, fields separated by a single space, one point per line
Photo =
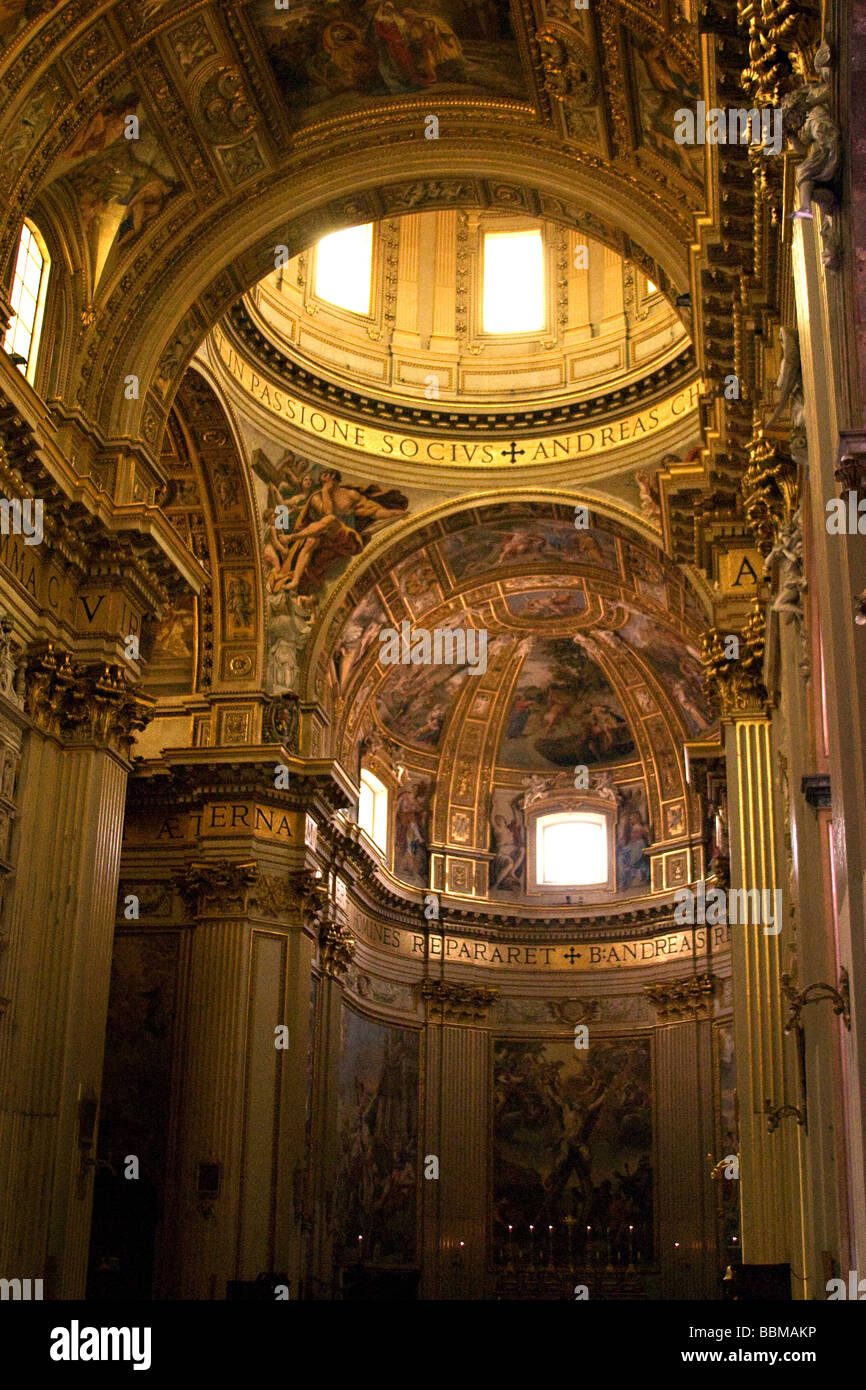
x=563 y=711
x=327 y=54
x=118 y=185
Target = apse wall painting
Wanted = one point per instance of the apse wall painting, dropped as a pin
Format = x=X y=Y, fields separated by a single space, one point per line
x=572 y=1146
x=674 y=663
x=727 y=1128
x=508 y=833
x=134 y=1108
x=375 y=1193
x=328 y=520
x=328 y=54
x=563 y=712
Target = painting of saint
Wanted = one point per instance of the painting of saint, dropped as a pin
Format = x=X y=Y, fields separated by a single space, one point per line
x=411 y=820
x=633 y=838
x=312 y=524
x=121 y=181
x=508 y=834
x=573 y=1144
x=328 y=526
x=377 y=1120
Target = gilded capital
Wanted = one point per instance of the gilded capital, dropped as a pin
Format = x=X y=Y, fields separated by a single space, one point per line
x=217 y=886
x=83 y=703
x=733 y=665
x=450 y=1002
x=691 y=997
x=336 y=948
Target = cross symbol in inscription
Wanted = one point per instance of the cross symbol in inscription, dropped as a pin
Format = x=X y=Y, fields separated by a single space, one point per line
x=572 y=955
x=512 y=451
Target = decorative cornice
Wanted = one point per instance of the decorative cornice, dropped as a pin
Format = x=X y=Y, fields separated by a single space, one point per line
x=83 y=703
x=506 y=421
x=691 y=997
x=447 y=1001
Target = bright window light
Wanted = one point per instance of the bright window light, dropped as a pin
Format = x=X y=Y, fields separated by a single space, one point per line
x=513 y=282
x=28 y=299
x=651 y=288
x=373 y=809
x=571 y=849
x=344 y=268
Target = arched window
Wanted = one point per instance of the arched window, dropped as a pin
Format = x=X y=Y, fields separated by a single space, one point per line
x=373 y=809
x=28 y=300
x=571 y=849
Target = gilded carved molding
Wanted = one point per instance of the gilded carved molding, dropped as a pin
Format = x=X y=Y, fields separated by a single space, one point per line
x=735 y=683
x=688 y=998
x=83 y=703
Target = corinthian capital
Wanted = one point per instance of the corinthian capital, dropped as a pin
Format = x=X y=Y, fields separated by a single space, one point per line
x=83 y=703
x=219 y=885
x=733 y=672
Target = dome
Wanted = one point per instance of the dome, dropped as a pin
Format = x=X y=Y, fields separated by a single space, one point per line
x=462 y=309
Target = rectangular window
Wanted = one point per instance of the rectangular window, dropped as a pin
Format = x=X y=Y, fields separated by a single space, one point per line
x=344 y=269
x=513 y=282
x=373 y=809
x=571 y=850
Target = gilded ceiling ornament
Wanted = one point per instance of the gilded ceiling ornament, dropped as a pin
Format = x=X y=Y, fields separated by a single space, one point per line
x=783 y=38
x=770 y=490
x=224 y=107
x=569 y=68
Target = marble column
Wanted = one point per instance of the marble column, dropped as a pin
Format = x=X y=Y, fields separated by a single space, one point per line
x=771 y=1161
x=335 y=956
x=684 y=1082
x=234 y=1204
x=455 y=1130
x=837 y=575
x=59 y=916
